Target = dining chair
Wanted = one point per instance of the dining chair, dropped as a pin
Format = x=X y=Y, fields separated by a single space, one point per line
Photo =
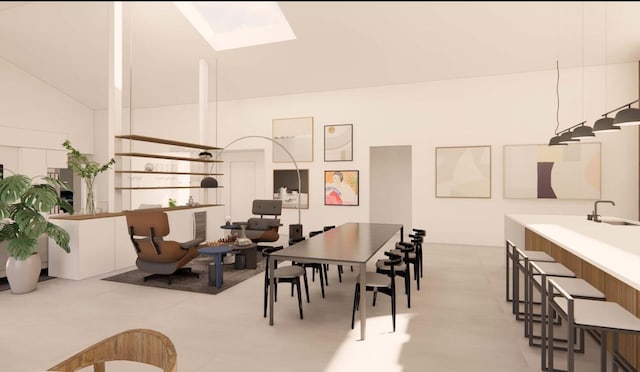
x=378 y=282
x=284 y=274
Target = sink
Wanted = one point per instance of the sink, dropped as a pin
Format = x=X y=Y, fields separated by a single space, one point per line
x=621 y=223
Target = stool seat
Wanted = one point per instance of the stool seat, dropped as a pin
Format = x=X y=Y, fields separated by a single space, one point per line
x=600 y=315
x=376 y=279
x=576 y=287
x=555 y=269
x=538 y=256
x=291 y=271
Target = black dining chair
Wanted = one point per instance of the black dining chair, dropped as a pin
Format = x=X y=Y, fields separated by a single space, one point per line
x=402 y=269
x=313 y=265
x=285 y=274
x=378 y=282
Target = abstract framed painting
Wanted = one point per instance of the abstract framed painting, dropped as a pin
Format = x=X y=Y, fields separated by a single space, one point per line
x=341 y=187
x=285 y=188
x=552 y=172
x=338 y=142
x=296 y=135
x=463 y=172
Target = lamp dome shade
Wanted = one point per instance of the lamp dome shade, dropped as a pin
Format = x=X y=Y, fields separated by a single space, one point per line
x=566 y=137
x=582 y=131
x=605 y=125
x=209 y=183
x=555 y=141
x=627 y=117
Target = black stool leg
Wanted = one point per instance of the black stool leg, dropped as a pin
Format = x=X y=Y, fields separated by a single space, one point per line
x=306 y=285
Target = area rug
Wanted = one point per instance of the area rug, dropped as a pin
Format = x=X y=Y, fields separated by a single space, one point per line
x=200 y=265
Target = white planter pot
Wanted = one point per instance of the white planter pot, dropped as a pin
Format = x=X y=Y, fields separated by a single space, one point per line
x=23 y=274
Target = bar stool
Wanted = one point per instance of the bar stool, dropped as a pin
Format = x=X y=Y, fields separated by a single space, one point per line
x=516 y=267
x=599 y=316
x=576 y=287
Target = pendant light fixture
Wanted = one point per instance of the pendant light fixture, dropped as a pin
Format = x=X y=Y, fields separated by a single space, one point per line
x=605 y=123
x=210 y=182
x=628 y=116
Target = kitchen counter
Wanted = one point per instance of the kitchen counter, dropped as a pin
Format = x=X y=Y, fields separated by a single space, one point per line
x=615 y=249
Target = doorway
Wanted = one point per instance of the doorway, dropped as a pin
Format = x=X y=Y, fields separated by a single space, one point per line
x=244 y=181
x=390 y=195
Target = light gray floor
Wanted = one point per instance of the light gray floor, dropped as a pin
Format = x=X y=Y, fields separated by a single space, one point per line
x=459 y=321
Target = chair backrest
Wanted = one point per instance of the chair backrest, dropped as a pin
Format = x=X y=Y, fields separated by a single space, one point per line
x=136 y=345
x=147 y=230
x=267 y=208
x=200 y=225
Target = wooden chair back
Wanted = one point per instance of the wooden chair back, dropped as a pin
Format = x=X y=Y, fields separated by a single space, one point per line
x=136 y=345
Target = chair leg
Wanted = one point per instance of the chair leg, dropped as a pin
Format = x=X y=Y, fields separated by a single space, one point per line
x=407 y=287
x=340 y=270
x=416 y=268
x=325 y=268
x=297 y=282
x=393 y=307
x=306 y=285
x=375 y=295
x=266 y=291
x=356 y=301
x=320 y=274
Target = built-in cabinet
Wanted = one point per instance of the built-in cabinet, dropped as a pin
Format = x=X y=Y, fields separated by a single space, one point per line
x=161 y=141
x=101 y=245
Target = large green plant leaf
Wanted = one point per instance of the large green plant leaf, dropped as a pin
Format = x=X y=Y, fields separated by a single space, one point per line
x=12 y=187
x=22 y=247
x=8 y=232
x=41 y=197
x=59 y=235
x=30 y=223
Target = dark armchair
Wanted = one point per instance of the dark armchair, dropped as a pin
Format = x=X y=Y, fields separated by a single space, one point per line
x=160 y=257
x=263 y=229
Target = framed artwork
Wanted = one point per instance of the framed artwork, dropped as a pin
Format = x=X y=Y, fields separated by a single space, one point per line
x=285 y=188
x=552 y=172
x=338 y=142
x=463 y=172
x=296 y=135
x=341 y=187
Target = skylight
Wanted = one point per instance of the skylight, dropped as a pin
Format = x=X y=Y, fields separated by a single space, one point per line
x=230 y=25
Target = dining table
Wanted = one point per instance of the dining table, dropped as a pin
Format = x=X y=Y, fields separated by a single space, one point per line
x=352 y=243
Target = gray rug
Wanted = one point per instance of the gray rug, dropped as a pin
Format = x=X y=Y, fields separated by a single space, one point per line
x=200 y=265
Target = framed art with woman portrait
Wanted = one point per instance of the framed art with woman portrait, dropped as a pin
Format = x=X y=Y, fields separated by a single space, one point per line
x=341 y=187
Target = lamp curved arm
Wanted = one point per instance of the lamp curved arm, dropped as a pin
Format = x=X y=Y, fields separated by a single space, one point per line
x=285 y=150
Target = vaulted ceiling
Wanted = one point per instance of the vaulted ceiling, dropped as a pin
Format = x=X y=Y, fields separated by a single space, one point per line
x=338 y=45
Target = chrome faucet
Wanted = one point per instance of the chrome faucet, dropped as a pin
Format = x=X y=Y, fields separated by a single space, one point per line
x=595 y=208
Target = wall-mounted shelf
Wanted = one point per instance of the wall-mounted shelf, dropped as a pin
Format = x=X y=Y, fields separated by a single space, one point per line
x=179 y=173
x=169 y=157
x=135 y=137
x=158 y=187
x=162 y=141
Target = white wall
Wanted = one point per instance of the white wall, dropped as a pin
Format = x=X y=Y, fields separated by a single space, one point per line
x=34 y=114
x=497 y=111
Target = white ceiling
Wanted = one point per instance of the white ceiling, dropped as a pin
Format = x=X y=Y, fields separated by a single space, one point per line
x=339 y=45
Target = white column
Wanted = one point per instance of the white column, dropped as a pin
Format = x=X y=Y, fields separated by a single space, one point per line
x=115 y=93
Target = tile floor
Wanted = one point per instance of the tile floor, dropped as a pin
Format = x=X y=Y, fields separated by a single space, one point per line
x=459 y=321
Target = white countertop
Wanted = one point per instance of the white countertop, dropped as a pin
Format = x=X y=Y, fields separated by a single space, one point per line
x=614 y=249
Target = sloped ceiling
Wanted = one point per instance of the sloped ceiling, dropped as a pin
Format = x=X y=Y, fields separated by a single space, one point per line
x=339 y=45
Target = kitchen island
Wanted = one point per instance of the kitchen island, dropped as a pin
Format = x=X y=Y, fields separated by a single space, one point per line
x=100 y=244
x=606 y=254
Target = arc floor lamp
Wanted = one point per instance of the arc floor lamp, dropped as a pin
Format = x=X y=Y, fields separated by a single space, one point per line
x=210 y=182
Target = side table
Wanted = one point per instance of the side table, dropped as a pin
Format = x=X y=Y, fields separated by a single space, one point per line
x=249 y=252
x=217 y=252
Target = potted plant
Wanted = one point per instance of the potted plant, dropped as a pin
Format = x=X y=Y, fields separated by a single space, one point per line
x=22 y=203
x=87 y=170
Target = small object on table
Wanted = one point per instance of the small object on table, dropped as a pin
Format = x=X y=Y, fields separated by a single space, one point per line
x=217 y=252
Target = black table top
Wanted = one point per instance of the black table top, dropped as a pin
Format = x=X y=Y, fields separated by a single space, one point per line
x=352 y=242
